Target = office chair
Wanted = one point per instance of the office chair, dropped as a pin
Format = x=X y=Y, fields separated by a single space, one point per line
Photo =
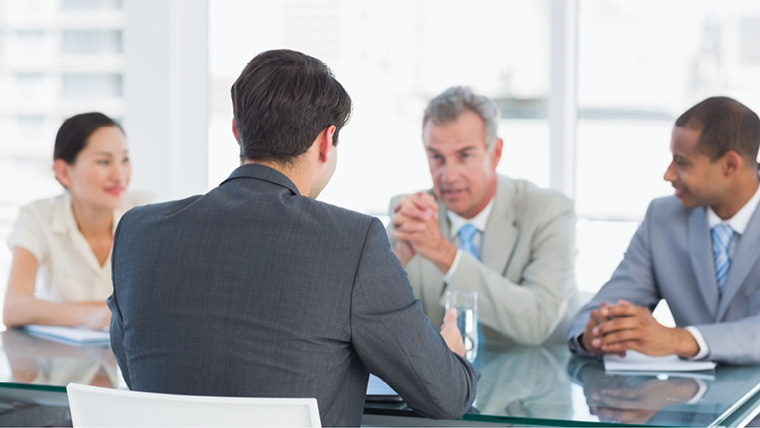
x=93 y=406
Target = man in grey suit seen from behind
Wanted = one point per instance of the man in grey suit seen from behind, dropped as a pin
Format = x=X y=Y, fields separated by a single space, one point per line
x=257 y=289
x=699 y=250
x=520 y=253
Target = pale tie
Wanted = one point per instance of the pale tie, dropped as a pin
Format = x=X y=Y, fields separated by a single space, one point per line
x=466 y=235
x=722 y=235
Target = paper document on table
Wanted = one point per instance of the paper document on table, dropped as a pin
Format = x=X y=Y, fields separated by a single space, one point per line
x=636 y=361
x=700 y=375
x=71 y=335
x=378 y=390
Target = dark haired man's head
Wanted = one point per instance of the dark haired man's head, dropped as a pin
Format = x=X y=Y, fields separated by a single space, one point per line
x=714 y=146
x=281 y=101
x=724 y=124
x=73 y=134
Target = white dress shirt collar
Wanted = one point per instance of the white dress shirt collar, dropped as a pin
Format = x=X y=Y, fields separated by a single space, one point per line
x=479 y=221
x=740 y=220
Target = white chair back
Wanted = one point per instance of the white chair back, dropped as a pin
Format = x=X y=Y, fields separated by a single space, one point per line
x=93 y=406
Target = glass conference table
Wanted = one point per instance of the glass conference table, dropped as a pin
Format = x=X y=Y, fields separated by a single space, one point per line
x=518 y=385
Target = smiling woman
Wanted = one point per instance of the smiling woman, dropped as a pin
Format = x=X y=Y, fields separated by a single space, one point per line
x=61 y=269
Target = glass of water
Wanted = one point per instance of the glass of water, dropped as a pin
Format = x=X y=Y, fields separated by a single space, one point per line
x=466 y=304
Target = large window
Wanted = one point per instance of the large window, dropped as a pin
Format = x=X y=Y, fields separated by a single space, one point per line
x=392 y=57
x=640 y=65
x=91 y=85
x=57 y=58
x=89 y=5
x=91 y=42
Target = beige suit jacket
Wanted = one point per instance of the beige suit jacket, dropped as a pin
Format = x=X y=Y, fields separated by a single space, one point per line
x=526 y=278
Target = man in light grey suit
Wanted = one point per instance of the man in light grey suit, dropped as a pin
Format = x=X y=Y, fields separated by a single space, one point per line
x=257 y=289
x=520 y=253
x=698 y=250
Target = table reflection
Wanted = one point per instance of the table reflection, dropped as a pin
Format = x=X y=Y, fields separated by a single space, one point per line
x=631 y=398
x=676 y=399
x=41 y=361
x=523 y=385
x=526 y=382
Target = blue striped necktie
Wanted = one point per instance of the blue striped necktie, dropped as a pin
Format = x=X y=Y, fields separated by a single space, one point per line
x=722 y=235
x=466 y=235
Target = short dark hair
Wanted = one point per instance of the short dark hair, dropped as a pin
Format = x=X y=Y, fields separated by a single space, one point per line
x=73 y=134
x=724 y=124
x=282 y=100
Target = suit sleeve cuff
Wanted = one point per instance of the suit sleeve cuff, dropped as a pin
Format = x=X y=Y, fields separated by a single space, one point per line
x=704 y=349
x=453 y=268
x=577 y=348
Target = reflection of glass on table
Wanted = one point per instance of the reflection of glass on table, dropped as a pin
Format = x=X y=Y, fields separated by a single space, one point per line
x=466 y=304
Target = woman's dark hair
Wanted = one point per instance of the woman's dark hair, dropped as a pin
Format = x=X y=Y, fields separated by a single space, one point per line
x=73 y=134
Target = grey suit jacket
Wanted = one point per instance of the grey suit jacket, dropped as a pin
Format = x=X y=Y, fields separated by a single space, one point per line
x=526 y=279
x=670 y=257
x=254 y=290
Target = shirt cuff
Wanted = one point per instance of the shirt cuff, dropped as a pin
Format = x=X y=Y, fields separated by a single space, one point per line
x=704 y=349
x=577 y=348
x=453 y=268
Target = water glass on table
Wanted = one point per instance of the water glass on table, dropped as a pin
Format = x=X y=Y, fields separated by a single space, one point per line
x=466 y=304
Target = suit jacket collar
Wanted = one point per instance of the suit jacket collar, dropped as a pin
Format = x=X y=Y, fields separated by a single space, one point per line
x=264 y=173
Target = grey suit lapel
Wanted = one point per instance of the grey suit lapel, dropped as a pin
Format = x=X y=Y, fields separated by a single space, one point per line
x=501 y=233
x=746 y=254
x=700 y=252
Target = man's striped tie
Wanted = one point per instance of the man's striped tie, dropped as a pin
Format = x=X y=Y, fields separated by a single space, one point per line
x=722 y=235
x=466 y=234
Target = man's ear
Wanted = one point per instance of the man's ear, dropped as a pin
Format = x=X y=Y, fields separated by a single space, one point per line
x=61 y=168
x=234 y=130
x=732 y=162
x=495 y=155
x=326 y=143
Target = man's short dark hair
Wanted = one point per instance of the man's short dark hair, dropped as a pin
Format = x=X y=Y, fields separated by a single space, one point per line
x=724 y=124
x=281 y=101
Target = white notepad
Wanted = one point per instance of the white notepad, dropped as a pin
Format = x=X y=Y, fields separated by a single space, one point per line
x=636 y=361
x=71 y=335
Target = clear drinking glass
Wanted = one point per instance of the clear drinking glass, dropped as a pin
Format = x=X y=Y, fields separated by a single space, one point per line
x=466 y=304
